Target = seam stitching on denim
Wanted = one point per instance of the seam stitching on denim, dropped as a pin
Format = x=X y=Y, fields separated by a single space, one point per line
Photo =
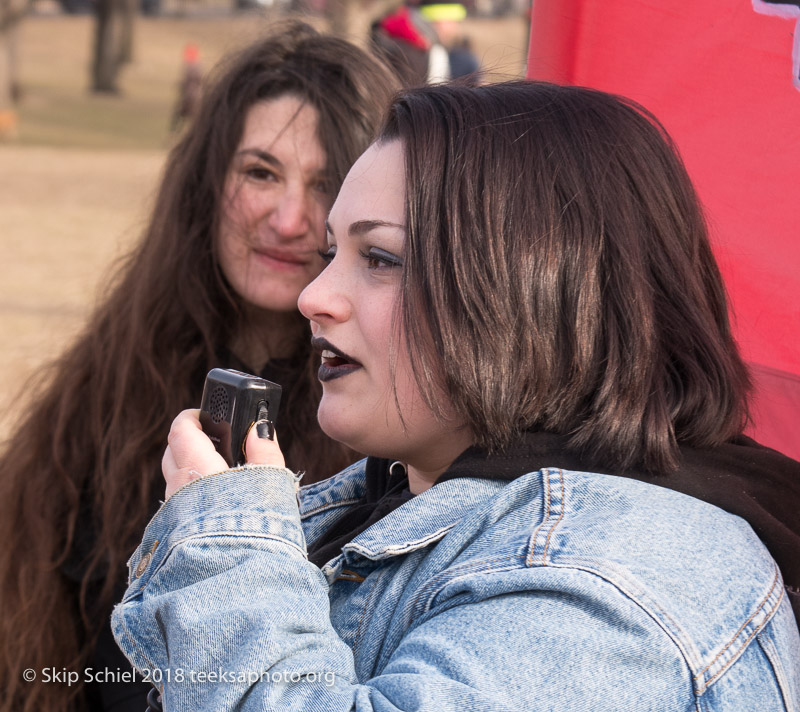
x=535 y=534
x=136 y=647
x=557 y=522
x=329 y=505
x=770 y=651
x=741 y=628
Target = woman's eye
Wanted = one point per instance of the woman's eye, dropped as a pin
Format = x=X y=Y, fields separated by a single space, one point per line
x=323 y=186
x=327 y=255
x=380 y=259
x=260 y=173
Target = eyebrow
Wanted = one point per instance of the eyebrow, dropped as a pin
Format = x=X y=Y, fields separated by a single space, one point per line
x=263 y=155
x=267 y=157
x=362 y=227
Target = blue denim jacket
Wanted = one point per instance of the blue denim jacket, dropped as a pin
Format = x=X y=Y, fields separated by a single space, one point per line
x=558 y=591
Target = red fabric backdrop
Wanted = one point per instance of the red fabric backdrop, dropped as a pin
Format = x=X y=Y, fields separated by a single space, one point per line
x=719 y=76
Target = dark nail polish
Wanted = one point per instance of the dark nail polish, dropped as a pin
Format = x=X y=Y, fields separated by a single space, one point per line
x=265 y=430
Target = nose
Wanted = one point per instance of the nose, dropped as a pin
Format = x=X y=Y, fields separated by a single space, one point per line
x=291 y=217
x=325 y=300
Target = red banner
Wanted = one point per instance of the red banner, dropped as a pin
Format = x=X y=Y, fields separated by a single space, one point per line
x=722 y=76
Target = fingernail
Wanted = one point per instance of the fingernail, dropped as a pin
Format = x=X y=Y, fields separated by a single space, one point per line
x=265 y=430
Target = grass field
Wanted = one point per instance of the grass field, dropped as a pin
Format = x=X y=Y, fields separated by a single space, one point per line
x=77 y=184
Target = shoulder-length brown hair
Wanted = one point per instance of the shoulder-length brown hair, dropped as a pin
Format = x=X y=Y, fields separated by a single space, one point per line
x=560 y=256
x=81 y=474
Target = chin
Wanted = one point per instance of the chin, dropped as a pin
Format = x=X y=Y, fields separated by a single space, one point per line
x=330 y=424
x=337 y=428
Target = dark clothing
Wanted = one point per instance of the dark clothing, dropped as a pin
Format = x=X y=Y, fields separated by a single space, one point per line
x=387 y=489
x=464 y=65
x=741 y=477
x=130 y=696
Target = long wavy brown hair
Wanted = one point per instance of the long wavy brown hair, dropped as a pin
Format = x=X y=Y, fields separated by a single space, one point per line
x=81 y=474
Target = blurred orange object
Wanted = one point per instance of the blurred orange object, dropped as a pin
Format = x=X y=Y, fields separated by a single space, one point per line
x=190 y=90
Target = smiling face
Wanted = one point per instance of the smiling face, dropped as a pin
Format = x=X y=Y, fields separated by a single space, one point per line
x=351 y=307
x=274 y=205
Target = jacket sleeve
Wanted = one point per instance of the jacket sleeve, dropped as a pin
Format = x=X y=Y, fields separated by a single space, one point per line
x=224 y=612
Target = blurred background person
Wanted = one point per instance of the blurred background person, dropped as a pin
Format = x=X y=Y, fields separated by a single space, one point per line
x=447 y=18
x=190 y=89
x=409 y=45
x=425 y=43
x=233 y=239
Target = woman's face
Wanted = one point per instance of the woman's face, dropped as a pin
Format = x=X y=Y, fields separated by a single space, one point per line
x=274 y=205
x=351 y=307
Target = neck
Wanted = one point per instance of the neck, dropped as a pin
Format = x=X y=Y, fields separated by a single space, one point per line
x=420 y=480
x=423 y=472
x=265 y=335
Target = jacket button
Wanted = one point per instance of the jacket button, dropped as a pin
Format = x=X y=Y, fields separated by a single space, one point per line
x=143 y=564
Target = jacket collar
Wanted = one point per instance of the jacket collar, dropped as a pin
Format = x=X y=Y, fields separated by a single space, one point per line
x=419 y=522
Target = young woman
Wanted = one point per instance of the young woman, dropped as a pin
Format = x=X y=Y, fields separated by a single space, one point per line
x=522 y=324
x=234 y=238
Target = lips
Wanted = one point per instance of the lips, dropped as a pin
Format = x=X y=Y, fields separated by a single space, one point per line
x=335 y=362
x=282 y=258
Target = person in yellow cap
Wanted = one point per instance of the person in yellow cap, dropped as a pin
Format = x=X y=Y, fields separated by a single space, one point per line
x=424 y=43
x=446 y=19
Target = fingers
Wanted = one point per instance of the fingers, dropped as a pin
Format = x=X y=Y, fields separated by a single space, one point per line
x=190 y=454
x=261 y=446
x=191 y=447
x=177 y=478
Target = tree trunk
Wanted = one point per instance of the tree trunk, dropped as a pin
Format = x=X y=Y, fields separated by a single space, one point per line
x=107 y=46
x=128 y=18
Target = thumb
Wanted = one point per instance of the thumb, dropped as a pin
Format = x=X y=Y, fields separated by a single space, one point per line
x=261 y=445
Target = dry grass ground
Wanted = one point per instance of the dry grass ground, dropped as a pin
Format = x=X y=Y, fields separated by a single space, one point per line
x=76 y=187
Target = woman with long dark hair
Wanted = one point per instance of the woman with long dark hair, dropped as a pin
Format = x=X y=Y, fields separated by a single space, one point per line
x=523 y=325
x=234 y=238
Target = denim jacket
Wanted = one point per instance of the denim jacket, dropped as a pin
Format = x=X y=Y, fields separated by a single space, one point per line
x=560 y=590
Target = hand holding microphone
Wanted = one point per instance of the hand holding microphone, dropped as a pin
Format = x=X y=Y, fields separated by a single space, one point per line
x=236 y=424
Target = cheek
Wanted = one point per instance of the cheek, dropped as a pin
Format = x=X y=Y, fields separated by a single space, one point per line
x=236 y=222
x=316 y=216
x=411 y=396
x=235 y=210
x=229 y=249
x=386 y=340
x=242 y=205
x=410 y=401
